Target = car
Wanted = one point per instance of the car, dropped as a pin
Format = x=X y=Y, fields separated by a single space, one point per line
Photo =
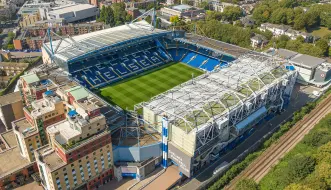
x=221 y=167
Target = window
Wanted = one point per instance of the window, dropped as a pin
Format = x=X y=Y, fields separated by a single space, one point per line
x=29 y=140
x=100 y=150
x=86 y=157
x=98 y=124
x=72 y=165
x=93 y=153
x=90 y=128
x=98 y=129
x=64 y=169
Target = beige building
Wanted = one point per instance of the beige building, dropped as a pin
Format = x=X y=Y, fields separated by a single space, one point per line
x=14 y=169
x=12 y=68
x=29 y=20
x=11 y=109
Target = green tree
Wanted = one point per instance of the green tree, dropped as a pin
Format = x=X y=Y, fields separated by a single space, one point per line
x=295 y=186
x=310 y=49
x=204 y=5
x=213 y=15
x=11 y=35
x=323 y=45
x=288 y=3
x=107 y=16
x=174 y=20
x=119 y=13
x=261 y=14
x=247 y=184
x=293 y=45
x=232 y=13
x=324 y=153
x=317 y=138
x=299 y=22
x=300 y=167
x=324 y=172
x=10 y=47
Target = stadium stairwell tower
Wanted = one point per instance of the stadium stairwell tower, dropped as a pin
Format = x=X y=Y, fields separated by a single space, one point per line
x=165 y=142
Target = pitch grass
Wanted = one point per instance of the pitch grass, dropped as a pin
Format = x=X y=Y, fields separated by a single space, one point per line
x=143 y=87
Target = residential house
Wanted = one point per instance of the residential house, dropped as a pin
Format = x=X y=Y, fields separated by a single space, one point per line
x=258 y=40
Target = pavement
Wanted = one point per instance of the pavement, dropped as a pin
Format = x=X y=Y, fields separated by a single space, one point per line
x=300 y=96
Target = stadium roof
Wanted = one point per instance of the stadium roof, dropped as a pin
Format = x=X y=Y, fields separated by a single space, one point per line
x=230 y=49
x=73 y=47
x=197 y=102
x=307 y=60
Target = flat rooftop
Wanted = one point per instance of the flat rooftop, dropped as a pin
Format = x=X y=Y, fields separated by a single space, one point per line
x=71 y=8
x=12 y=161
x=182 y=7
x=50 y=157
x=24 y=127
x=230 y=49
x=10 y=98
x=283 y=53
x=66 y=132
x=9 y=138
x=307 y=60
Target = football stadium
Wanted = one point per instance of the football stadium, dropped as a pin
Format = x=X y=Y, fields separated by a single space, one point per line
x=186 y=99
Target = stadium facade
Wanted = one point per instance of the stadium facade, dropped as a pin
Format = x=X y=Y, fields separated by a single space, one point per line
x=192 y=124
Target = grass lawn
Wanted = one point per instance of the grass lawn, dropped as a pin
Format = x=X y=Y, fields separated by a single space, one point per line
x=320 y=31
x=141 y=88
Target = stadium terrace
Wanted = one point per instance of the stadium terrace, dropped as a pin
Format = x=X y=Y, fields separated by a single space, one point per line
x=194 y=98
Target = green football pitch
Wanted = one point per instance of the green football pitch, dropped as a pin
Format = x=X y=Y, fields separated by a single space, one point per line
x=143 y=87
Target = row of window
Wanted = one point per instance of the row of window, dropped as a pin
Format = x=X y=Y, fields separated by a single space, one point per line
x=81 y=171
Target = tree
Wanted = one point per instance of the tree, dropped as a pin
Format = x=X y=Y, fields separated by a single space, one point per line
x=295 y=186
x=317 y=138
x=324 y=172
x=119 y=13
x=174 y=20
x=288 y=3
x=107 y=16
x=300 y=167
x=293 y=45
x=323 y=45
x=213 y=15
x=11 y=35
x=247 y=184
x=310 y=49
x=204 y=5
x=261 y=14
x=232 y=13
x=10 y=47
x=324 y=153
x=299 y=22
x=311 y=19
